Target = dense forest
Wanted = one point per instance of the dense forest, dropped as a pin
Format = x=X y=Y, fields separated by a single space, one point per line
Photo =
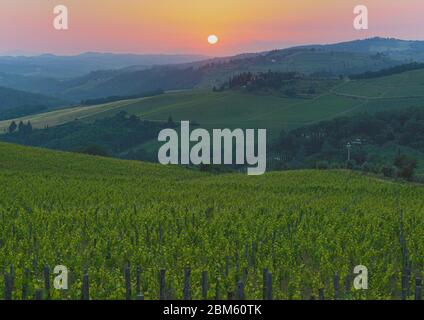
x=114 y=136
x=325 y=144
x=22 y=110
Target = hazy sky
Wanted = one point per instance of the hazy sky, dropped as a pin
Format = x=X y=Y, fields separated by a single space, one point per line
x=182 y=26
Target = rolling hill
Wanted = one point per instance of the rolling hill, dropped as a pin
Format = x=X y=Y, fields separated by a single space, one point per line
x=15 y=103
x=345 y=58
x=391 y=47
x=118 y=77
x=204 y=75
x=236 y=108
x=62 y=67
x=99 y=215
x=229 y=109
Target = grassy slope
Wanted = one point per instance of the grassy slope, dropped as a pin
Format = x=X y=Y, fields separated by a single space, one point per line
x=213 y=110
x=12 y=99
x=235 y=109
x=241 y=110
x=408 y=84
x=62 y=208
x=299 y=60
x=58 y=117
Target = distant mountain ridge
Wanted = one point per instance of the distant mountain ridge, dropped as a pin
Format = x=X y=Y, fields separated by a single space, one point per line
x=376 y=44
x=392 y=47
x=59 y=67
x=112 y=74
x=321 y=61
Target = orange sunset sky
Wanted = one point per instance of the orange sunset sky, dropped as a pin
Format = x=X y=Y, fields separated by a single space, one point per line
x=182 y=26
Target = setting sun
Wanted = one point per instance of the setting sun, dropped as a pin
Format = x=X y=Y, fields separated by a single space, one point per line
x=213 y=39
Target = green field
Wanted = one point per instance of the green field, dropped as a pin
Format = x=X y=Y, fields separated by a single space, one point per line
x=58 y=117
x=213 y=110
x=298 y=60
x=408 y=85
x=235 y=109
x=100 y=214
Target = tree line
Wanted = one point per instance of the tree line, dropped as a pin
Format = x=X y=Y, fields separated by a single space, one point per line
x=325 y=144
x=388 y=71
x=117 y=136
x=152 y=93
x=290 y=84
x=21 y=128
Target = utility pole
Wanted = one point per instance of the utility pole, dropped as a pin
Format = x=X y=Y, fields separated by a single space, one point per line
x=349 y=146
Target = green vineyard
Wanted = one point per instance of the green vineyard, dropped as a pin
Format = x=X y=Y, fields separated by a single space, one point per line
x=97 y=215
